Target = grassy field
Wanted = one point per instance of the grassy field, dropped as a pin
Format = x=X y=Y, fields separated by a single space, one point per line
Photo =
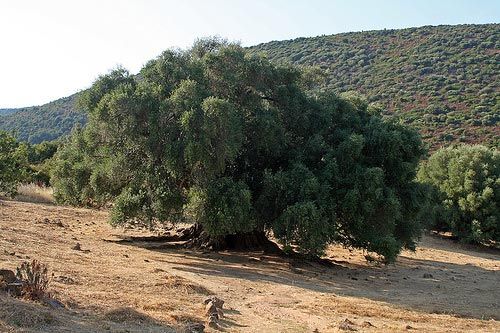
x=144 y=287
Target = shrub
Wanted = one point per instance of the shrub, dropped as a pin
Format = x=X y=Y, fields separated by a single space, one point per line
x=467 y=184
x=35 y=280
x=13 y=164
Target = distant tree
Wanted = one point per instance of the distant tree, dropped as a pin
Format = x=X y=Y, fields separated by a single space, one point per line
x=467 y=179
x=238 y=146
x=39 y=153
x=39 y=159
x=13 y=162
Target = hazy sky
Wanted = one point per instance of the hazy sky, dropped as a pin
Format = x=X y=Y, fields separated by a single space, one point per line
x=50 y=49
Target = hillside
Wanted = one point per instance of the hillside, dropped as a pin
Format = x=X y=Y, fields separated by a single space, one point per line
x=43 y=123
x=112 y=286
x=442 y=80
x=7 y=111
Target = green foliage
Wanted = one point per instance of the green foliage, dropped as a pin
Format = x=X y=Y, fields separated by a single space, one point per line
x=13 y=164
x=39 y=153
x=23 y=162
x=442 y=80
x=222 y=207
x=39 y=156
x=78 y=177
x=221 y=138
x=467 y=182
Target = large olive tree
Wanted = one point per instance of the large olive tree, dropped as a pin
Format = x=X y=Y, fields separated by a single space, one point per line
x=237 y=146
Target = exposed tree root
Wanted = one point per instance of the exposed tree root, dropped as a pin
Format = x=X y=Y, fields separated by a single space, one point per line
x=249 y=241
x=196 y=237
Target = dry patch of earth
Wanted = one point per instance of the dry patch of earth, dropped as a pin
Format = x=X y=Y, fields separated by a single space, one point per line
x=144 y=287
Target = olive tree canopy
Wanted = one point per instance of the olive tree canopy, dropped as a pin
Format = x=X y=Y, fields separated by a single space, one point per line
x=235 y=144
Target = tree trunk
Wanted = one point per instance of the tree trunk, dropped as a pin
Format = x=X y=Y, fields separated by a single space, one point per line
x=196 y=237
x=248 y=241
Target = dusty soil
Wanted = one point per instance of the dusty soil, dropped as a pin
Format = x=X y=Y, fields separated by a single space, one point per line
x=144 y=287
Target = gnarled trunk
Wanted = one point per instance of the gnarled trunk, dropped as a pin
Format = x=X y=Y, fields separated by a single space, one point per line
x=196 y=237
x=253 y=240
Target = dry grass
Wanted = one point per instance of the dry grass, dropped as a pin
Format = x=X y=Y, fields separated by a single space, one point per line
x=125 y=314
x=18 y=313
x=129 y=287
x=34 y=193
x=186 y=286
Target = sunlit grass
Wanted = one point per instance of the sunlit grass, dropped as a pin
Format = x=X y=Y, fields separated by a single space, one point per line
x=34 y=193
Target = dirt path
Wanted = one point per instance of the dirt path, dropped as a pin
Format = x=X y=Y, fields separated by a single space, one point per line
x=442 y=287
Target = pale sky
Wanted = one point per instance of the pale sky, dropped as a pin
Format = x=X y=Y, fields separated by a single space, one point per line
x=53 y=48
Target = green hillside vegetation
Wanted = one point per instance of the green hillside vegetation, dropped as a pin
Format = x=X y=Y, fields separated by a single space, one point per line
x=442 y=80
x=48 y=122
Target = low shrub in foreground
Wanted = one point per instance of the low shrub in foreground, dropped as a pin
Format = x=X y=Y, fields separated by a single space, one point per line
x=35 y=280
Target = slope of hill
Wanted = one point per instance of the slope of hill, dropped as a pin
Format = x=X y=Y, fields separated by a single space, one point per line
x=43 y=123
x=442 y=80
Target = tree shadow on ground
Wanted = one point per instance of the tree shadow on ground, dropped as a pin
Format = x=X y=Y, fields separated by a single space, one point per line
x=443 y=242
x=418 y=284
x=17 y=314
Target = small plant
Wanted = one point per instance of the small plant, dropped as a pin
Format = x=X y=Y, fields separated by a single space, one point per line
x=288 y=249
x=34 y=278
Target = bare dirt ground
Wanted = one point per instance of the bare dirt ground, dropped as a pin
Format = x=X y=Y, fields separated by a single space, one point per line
x=142 y=287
